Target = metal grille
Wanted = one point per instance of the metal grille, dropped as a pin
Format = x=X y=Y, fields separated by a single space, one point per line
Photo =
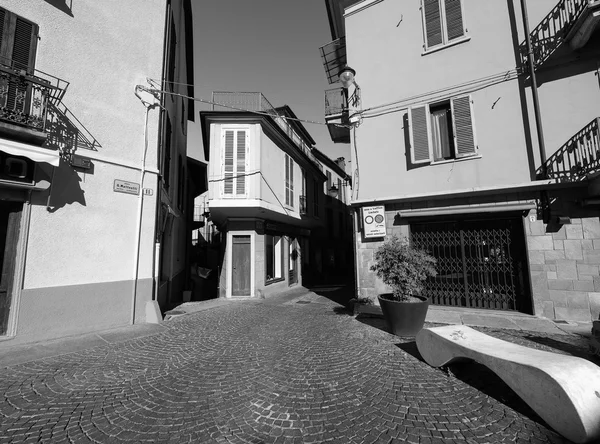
x=480 y=263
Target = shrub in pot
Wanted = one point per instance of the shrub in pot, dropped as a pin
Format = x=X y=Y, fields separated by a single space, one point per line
x=405 y=269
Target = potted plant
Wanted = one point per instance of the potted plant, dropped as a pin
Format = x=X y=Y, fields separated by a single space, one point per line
x=405 y=269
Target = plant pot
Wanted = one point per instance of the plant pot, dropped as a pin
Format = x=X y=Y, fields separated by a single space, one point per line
x=403 y=318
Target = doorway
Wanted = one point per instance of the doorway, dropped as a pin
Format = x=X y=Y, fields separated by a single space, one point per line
x=241 y=266
x=293 y=262
x=10 y=219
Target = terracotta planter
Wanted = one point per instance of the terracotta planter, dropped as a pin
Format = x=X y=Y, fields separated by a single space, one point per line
x=403 y=318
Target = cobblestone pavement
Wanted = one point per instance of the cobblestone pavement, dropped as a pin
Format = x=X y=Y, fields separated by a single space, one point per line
x=301 y=371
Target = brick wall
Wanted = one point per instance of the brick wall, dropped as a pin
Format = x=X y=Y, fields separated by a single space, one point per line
x=564 y=262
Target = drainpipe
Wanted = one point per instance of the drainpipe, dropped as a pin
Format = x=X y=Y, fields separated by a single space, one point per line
x=138 y=234
x=534 y=89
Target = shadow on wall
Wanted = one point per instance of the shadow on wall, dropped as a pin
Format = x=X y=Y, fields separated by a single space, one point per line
x=65 y=6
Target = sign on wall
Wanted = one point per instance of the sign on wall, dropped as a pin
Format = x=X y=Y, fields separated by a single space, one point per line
x=373 y=221
x=122 y=186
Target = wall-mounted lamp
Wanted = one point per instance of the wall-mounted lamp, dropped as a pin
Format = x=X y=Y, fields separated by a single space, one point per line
x=333 y=191
x=347 y=76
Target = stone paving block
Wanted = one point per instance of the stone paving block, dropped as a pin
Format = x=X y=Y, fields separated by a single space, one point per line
x=591 y=257
x=560 y=284
x=573 y=249
x=583 y=285
x=591 y=227
x=566 y=269
x=578 y=299
x=573 y=314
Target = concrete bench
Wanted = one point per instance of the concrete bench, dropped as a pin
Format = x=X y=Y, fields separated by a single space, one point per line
x=563 y=390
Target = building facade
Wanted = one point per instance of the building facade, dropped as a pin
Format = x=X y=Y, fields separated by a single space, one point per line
x=80 y=148
x=480 y=145
x=264 y=195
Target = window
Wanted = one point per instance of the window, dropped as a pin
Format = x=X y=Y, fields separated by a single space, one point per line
x=442 y=131
x=18 y=41
x=273 y=256
x=328 y=182
x=166 y=161
x=289 y=181
x=316 y=192
x=443 y=22
x=235 y=150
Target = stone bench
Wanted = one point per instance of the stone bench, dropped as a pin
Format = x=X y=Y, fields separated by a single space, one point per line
x=563 y=390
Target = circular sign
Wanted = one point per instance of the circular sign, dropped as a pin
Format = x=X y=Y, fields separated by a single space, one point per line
x=369 y=219
x=379 y=218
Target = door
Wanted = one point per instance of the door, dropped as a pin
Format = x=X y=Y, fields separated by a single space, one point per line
x=241 y=266
x=481 y=263
x=10 y=218
x=293 y=261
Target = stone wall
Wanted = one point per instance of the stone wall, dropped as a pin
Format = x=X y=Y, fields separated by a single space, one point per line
x=564 y=262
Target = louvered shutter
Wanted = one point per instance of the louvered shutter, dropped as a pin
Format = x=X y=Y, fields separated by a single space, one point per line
x=18 y=41
x=228 y=165
x=454 y=19
x=419 y=134
x=432 y=20
x=291 y=182
x=464 y=134
x=240 y=171
x=287 y=180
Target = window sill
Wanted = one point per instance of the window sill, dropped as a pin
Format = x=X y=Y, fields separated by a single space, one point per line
x=274 y=281
x=437 y=48
x=461 y=159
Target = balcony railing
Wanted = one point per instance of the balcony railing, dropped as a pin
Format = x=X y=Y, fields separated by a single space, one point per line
x=333 y=56
x=25 y=98
x=578 y=158
x=548 y=36
x=256 y=101
x=302 y=206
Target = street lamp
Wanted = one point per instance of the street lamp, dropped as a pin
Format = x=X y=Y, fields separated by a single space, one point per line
x=347 y=76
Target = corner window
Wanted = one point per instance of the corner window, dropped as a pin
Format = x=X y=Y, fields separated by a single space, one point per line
x=443 y=22
x=442 y=131
x=273 y=258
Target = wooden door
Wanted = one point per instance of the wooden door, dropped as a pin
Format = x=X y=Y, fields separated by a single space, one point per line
x=10 y=218
x=241 y=266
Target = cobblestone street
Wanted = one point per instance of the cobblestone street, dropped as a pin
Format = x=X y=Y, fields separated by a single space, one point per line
x=271 y=371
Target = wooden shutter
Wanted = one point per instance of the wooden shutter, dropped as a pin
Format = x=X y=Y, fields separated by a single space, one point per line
x=432 y=21
x=291 y=182
x=228 y=166
x=18 y=41
x=418 y=119
x=454 y=19
x=240 y=171
x=464 y=132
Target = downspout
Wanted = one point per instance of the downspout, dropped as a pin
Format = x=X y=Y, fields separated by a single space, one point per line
x=534 y=89
x=138 y=234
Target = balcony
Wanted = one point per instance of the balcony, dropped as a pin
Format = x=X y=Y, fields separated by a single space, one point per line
x=570 y=21
x=336 y=115
x=302 y=206
x=333 y=56
x=578 y=159
x=24 y=103
x=256 y=101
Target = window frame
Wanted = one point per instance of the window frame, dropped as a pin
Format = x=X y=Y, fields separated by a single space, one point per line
x=281 y=242
x=458 y=156
x=444 y=29
x=289 y=180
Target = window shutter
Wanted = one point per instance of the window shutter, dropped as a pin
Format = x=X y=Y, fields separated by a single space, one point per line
x=287 y=180
x=228 y=163
x=464 y=134
x=240 y=171
x=18 y=40
x=454 y=19
x=419 y=132
x=291 y=182
x=432 y=19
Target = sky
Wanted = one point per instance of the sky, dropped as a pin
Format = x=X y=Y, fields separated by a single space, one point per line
x=268 y=46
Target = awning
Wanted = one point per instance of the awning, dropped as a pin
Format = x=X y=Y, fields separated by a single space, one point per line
x=35 y=153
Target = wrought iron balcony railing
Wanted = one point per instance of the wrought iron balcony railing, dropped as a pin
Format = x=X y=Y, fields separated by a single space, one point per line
x=578 y=158
x=256 y=101
x=551 y=32
x=25 y=98
x=302 y=206
x=333 y=55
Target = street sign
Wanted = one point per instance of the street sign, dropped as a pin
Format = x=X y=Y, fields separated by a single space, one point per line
x=373 y=221
x=122 y=186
